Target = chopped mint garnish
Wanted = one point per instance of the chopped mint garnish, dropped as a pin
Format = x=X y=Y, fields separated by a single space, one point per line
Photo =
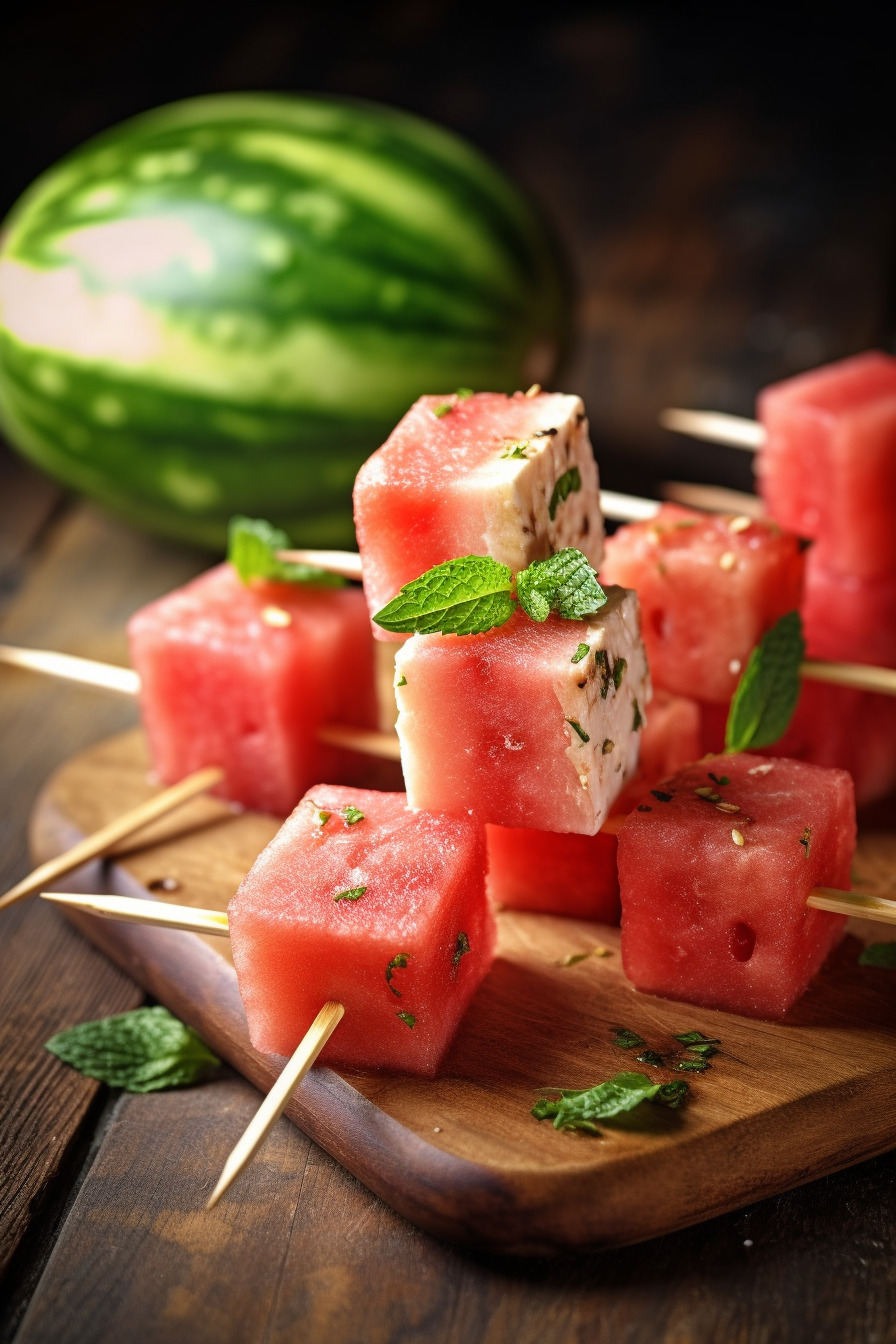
x=407 y=1018
x=574 y=958
x=696 y=1038
x=693 y=1065
x=350 y=815
x=464 y=393
x=322 y=816
x=564 y=583
x=466 y=596
x=882 y=955
x=352 y=894
x=619 y=671
x=567 y=485
x=398 y=963
x=580 y=653
x=715 y=778
x=518 y=449
x=652 y=1058
x=769 y=688
x=704 y=1049
x=602 y=663
x=622 y=1092
x=637 y=717
x=577 y=728
x=627 y=1040
x=252 y=546
x=443 y=408
x=147 y=1050
x=461 y=948
x=402 y=681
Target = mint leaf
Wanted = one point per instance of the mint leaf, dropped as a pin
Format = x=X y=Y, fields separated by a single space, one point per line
x=567 y=485
x=350 y=815
x=769 y=688
x=398 y=963
x=622 y=1092
x=879 y=954
x=407 y=1018
x=580 y=653
x=564 y=583
x=627 y=1040
x=252 y=546
x=466 y=596
x=147 y=1050
x=352 y=894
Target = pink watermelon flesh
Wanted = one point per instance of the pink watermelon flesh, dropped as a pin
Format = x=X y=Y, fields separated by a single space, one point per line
x=495 y=725
x=828 y=467
x=243 y=677
x=711 y=922
x=709 y=588
x=416 y=943
x=447 y=485
x=555 y=873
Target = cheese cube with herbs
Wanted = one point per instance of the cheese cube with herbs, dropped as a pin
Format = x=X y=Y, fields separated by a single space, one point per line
x=244 y=676
x=827 y=469
x=715 y=866
x=709 y=587
x=530 y=725
x=384 y=910
x=512 y=477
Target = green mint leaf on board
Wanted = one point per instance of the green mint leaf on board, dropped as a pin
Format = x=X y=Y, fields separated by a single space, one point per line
x=652 y=1058
x=693 y=1065
x=564 y=583
x=882 y=955
x=567 y=485
x=769 y=688
x=622 y=1092
x=627 y=1040
x=350 y=815
x=466 y=596
x=147 y=1050
x=351 y=894
x=407 y=1018
x=696 y=1038
x=252 y=546
x=398 y=963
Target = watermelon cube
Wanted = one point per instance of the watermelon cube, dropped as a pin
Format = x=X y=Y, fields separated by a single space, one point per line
x=714 y=871
x=245 y=676
x=531 y=725
x=827 y=469
x=709 y=588
x=556 y=873
x=384 y=910
x=510 y=477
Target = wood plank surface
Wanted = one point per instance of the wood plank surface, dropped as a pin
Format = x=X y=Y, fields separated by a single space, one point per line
x=460 y=1155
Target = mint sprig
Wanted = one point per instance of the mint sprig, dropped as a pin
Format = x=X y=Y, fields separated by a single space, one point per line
x=623 y=1092
x=147 y=1050
x=474 y=593
x=564 y=583
x=882 y=955
x=252 y=546
x=769 y=688
x=568 y=484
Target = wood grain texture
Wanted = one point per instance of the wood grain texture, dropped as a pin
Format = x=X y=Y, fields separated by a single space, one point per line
x=461 y=1156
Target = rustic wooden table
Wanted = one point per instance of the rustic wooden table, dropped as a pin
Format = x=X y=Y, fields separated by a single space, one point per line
x=711 y=255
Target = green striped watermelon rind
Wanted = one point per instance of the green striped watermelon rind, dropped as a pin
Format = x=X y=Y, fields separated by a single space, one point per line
x=279 y=345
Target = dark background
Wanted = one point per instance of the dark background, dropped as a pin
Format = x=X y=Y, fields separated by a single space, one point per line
x=722 y=181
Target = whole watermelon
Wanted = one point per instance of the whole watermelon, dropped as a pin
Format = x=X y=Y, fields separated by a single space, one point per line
x=224 y=305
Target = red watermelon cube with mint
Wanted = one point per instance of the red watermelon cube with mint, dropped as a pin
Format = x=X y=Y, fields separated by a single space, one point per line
x=513 y=477
x=715 y=866
x=827 y=469
x=709 y=587
x=532 y=725
x=384 y=910
x=244 y=676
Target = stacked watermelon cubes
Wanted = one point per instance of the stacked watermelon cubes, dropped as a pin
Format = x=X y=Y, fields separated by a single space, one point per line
x=485 y=474
x=715 y=867
x=384 y=910
x=828 y=470
x=244 y=676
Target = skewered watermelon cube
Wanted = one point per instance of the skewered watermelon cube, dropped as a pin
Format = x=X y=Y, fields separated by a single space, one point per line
x=555 y=872
x=384 y=910
x=827 y=469
x=714 y=870
x=709 y=587
x=245 y=676
x=531 y=725
x=485 y=474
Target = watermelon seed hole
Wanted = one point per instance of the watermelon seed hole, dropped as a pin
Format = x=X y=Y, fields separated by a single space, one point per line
x=742 y=941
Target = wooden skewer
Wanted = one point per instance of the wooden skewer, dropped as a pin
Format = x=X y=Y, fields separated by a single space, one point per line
x=627 y=508
x=92 y=846
x=863 y=677
x=856 y=903
x=346 y=563
x=715 y=427
x=274 y=1104
x=713 y=498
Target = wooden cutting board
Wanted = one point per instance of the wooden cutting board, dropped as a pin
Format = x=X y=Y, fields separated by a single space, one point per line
x=461 y=1156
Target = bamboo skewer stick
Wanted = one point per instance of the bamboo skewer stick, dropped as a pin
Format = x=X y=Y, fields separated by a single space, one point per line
x=275 y=1103
x=136 y=910
x=713 y=498
x=346 y=563
x=92 y=846
x=715 y=427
